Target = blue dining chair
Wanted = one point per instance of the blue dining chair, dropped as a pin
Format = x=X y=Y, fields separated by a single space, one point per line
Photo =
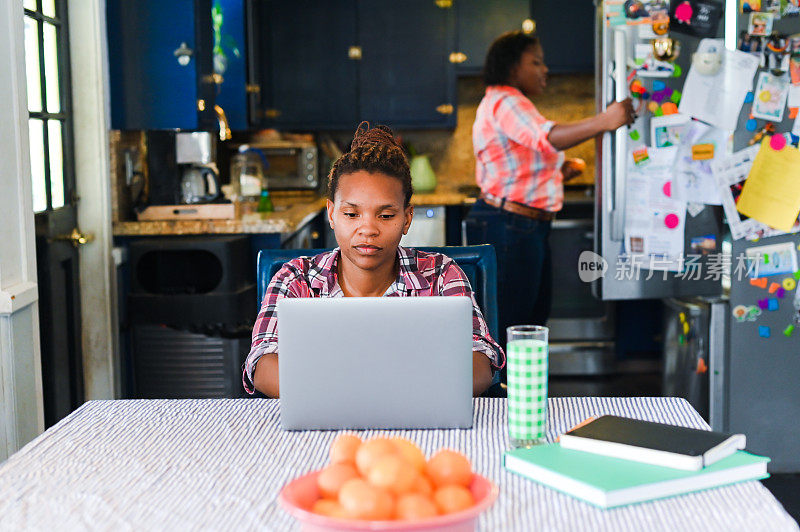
x=478 y=262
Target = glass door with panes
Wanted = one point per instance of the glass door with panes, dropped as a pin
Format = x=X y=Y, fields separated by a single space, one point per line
x=55 y=205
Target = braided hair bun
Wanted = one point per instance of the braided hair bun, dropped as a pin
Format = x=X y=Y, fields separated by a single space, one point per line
x=373 y=150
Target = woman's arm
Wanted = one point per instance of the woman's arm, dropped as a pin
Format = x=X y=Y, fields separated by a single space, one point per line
x=618 y=114
x=481 y=373
x=265 y=376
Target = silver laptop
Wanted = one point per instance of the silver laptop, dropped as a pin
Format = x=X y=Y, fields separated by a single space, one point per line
x=375 y=362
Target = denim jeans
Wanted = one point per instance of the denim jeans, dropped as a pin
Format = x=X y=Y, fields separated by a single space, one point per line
x=524 y=276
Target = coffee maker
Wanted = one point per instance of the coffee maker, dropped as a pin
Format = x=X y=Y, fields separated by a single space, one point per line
x=181 y=168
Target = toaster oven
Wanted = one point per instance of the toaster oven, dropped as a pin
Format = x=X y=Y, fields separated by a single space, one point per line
x=291 y=165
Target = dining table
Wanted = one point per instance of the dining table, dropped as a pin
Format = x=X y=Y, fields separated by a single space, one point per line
x=220 y=464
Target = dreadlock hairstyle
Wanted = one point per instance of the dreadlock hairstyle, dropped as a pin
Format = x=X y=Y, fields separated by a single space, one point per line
x=503 y=54
x=373 y=150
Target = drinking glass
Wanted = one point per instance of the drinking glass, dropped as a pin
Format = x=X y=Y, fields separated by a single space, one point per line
x=526 y=351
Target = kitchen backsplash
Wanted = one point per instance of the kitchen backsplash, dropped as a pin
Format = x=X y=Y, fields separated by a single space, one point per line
x=568 y=97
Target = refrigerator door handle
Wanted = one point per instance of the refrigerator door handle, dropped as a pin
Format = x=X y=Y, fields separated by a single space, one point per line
x=621 y=137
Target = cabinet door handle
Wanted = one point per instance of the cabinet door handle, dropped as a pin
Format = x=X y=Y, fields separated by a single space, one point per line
x=354 y=53
x=458 y=57
x=528 y=25
x=445 y=109
x=183 y=53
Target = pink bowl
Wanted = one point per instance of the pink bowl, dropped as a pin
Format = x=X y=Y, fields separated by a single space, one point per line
x=299 y=495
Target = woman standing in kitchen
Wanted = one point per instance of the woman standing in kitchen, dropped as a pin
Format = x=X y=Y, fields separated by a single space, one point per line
x=520 y=170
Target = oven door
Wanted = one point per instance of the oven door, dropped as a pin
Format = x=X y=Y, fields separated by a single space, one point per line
x=291 y=168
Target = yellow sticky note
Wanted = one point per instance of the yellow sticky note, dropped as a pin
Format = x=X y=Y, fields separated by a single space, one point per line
x=702 y=152
x=771 y=193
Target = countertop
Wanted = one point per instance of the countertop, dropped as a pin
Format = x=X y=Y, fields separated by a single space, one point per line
x=295 y=209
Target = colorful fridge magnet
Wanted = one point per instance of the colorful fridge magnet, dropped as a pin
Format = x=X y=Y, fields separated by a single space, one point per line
x=702 y=152
x=787 y=332
x=763 y=303
x=774 y=259
x=763 y=331
x=640 y=155
x=777 y=142
x=773 y=287
x=753 y=312
x=772 y=305
x=750 y=44
x=780 y=292
x=739 y=312
x=672 y=221
x=776 y=58
x=760 y=24
x=746 y=6
x=759 y=282
x=696 y=17
x=666 y=49
x=789 y=284
x=666 y=131
x=660 y=23
x=792 y=8
x=707 y=63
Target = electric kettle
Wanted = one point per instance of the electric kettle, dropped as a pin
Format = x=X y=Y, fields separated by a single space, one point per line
x=199 y=184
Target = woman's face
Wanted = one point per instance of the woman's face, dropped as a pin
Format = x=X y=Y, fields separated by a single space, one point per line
x=368 y=218
x=529 y=75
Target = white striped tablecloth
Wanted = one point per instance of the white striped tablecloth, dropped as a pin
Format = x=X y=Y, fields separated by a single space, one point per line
x=218 y=464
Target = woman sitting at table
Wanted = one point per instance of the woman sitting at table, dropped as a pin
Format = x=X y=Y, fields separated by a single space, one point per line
x=369 y=210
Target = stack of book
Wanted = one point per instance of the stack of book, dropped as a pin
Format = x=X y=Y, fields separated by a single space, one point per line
x=612 y=461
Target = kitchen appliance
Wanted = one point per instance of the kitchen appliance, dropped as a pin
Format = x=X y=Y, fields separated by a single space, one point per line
x=748 y=346
x=759 y=394
x=288 y=164
x=199 y=184
x=182 y=178
x=615 y=54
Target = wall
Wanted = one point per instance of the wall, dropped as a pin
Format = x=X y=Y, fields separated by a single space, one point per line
x=568 y=97
x=21 y=410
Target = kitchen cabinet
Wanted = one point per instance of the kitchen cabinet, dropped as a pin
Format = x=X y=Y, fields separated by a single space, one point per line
x=301 y=62
x=326 y=67
x=567 y=34
x=161 y=64
x=479 y=23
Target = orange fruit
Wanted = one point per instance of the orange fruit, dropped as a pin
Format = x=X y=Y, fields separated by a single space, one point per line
x=452 y=498
x=330 y=479
x=413 y=506
x=410 y=452
x=362 y=500
x=449 y=467
x=329 y=507
x=370 y=451
x=393 y=473
x=344 y=447
x=422 y=486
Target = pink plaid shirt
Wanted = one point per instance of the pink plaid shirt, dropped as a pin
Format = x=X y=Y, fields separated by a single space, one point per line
x=515 y=160
x=421 y=274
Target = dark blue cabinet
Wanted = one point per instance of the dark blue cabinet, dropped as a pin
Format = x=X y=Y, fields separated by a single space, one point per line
x=567 y=34
x=161 y=64
x=328 y=65
x=306 y=64
x=481 y=22
x=406 y=78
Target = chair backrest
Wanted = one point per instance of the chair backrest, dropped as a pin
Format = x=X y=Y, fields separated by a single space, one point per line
x=478 y=262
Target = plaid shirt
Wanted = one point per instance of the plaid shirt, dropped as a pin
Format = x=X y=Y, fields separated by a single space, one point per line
x=515 y=160
x=421 y=274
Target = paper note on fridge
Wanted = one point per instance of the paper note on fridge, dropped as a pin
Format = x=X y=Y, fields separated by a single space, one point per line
x=718 y=98
x=771 y=193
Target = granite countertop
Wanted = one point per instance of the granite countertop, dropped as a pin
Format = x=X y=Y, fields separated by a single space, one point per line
x=295 y=209
x=292 y=211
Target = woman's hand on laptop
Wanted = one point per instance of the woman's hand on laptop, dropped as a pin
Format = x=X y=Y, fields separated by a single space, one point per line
x=265 y=376
x=481 y=373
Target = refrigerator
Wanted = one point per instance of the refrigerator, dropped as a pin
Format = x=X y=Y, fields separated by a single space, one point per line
x=745 y=370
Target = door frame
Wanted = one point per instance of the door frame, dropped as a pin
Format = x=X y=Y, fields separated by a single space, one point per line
x=91 y=119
